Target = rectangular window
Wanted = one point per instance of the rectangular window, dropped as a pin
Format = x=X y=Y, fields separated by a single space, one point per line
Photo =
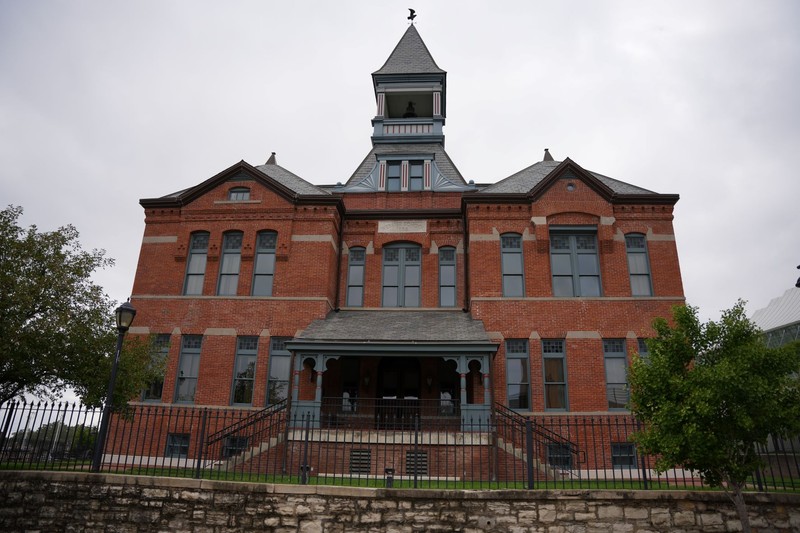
x=512 y=265
x=393 y=176
x=638 y=265
x=559 y=456
x=402 y=276
x=518 y=375
x=355 y=277
x=644 y=351
x=415 y=175
x=177 y=445
x=623 y=455
x=264 y=269
x=196 y=265
x=616 y=363
x=244 y=371
x=555 y=374
x=574 y=264
x=188 y=368
x=279 y=370
x=229 y=266
x=233 y=446
x=447 y=277
x=159 y=353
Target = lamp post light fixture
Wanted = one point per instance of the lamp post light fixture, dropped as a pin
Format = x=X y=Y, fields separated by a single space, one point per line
x=125 y=314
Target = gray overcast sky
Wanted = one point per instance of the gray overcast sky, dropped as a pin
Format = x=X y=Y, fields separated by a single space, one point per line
x=106 y=102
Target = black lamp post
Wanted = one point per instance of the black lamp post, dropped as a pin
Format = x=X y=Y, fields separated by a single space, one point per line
x=125 y=314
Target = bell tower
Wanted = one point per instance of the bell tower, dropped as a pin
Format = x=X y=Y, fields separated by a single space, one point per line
x=410 y=94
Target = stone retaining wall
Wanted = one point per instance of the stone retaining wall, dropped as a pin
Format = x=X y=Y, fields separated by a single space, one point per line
x=47 y=501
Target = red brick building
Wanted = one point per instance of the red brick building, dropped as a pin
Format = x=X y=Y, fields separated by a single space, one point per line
x=407 y=285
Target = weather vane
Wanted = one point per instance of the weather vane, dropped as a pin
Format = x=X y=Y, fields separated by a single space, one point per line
x=411 y=15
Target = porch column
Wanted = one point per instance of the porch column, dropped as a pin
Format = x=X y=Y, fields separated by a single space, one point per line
x=463 y=389
x=487 y=395
x=295 y=385
x=318 y=392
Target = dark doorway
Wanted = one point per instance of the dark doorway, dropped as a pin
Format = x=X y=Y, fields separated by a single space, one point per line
x=399 y=378
x=398 y=404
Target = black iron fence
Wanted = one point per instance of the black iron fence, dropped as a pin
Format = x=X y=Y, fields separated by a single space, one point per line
x=437 y=450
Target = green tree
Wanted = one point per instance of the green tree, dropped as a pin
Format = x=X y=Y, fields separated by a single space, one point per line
x=708 y=394
x=56 y=326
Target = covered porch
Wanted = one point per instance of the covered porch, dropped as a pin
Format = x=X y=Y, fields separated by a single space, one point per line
x=377 y=369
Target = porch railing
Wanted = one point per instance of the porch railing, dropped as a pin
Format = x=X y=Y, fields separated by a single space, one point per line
x=426 y=448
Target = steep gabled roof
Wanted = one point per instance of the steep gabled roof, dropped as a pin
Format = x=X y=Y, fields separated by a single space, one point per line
x=410 y=56
x=271 y=176
x=535 y=179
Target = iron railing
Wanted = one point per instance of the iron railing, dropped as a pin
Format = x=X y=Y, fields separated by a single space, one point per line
x=426 y=448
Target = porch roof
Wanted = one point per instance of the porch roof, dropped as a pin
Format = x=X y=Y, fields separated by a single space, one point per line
x=394 y=331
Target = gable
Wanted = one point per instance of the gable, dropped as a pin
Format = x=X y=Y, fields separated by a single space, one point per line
x=273 y=178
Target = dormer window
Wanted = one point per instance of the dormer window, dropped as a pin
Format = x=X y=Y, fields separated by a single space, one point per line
x=239 y=194
x=415 y=175
x=393 y=176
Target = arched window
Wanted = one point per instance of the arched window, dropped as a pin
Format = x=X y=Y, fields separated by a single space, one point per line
x=264 y=269
x=512 y=264
x=638 y=264
x=402 y=266
x=229 y=266
x=355 y=277
x=196 y=264
x=447 y=276
x=239 y=194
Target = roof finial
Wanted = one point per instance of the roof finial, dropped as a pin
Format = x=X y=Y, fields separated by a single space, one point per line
x=547 y=156
x=411 y=15
x=271 y=160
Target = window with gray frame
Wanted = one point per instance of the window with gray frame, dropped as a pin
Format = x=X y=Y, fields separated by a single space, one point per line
x=393 y=176
x=447 y=276
x=244 y=370
x=518 y=375
x=239 y=194
x=402 y=265
x=177 y=445
x=158 y=354
x=616 y=363
x=644 y=351
x=415 y=175
x=574 y=263
x=512 y=265
x=279 y=370
x=638 y=264
x=623 y=455
x=355 y=276
x=188 y=368
x=229 y=266
x=196 y=265
x=264 y=269
x=554 y=360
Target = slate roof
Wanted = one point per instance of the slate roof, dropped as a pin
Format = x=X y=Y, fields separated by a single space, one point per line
x=290 y=181
x=446 y=327
x=443 y=161
x=410 y=56
x=526 y=179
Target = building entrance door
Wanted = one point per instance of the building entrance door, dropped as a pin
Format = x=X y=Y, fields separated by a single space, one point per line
x=398 y=392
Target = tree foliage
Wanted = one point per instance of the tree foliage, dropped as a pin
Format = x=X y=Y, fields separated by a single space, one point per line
x=56 y=326
x=709 y=393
